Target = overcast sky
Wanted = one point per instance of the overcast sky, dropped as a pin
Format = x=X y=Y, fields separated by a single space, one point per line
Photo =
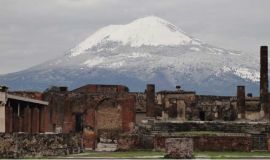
x=34 y=31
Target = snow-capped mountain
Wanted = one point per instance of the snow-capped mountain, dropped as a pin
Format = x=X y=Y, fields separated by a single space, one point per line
x=147 y=50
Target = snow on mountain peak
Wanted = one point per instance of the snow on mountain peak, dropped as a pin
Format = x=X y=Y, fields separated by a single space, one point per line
x=149 y=31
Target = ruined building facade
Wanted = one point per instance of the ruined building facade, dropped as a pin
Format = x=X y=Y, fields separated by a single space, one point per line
x=22 y=114
x=187 y=105
x=101 y=113
x=97 y=111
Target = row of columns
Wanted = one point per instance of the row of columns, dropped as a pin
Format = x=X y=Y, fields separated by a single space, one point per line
x=33 y=120
x=264 y=95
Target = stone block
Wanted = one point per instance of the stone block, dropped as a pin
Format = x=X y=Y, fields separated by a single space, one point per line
x=179 y=148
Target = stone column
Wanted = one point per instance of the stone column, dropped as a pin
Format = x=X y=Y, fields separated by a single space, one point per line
x=35 y=120
x=264 y=80
x=150 y=100
x=27 y=120
x=19 y=118
x=15 y=122
x=20 y=124
x=46 y=119
x=9 y=119
x=43 y=119
x=241 y=101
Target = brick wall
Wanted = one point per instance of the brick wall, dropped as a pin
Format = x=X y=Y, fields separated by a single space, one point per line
x=108 y=115
x=225 y=142
x=104 y=114
x=128 y=113
x=229 y=127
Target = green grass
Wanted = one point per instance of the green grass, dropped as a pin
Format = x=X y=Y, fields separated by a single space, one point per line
x=233 y=155
x=159 y=155
x=127 y=154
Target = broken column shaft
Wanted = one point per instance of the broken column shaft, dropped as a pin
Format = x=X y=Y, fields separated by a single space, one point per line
x=241 y=100
x=264 y=80
x=150 y=100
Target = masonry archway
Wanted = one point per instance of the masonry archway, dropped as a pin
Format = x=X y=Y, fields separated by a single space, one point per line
x=108 y=119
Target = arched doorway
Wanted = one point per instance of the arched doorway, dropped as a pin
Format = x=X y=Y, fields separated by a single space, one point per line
x=108 y=124
x=108 y=115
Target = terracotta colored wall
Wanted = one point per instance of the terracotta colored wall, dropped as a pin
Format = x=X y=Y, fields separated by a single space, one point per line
x=108 y=115
x=213 y=143
x=128 y=113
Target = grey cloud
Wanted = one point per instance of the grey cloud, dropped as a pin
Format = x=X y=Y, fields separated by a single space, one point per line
x=34 y=31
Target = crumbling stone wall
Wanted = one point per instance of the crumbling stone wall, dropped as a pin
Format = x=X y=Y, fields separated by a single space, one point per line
x=135 y=142
x=108 y=115
x=214 y=126
x=177 y=104
x=20 y=145
x=218 y=142
x=99 y=88
x=96 y=110
x=140 y=101
x=128 y=142
x=211 y=108
x=202 y=142
x=179 y=148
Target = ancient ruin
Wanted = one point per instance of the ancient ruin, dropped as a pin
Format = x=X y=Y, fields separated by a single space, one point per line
x=110 y=117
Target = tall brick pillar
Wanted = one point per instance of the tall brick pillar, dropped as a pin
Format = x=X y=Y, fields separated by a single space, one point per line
x=35 y=120
x=27 y=120
x=241 y=100
x=264 y=80
x=128 y=113
x=150 y=100
x=8 y=119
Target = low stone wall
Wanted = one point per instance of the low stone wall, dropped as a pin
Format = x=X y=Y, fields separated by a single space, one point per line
x=22 y=145
x=214 y=126
x=135 y=141
x=218 y=142
x=179 y=148
x=128 y=142
x=203 y=142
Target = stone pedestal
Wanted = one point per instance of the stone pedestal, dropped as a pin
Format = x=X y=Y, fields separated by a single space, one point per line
x=179 y=148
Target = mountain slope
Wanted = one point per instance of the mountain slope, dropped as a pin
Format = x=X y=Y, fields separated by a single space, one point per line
x=147 y=50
